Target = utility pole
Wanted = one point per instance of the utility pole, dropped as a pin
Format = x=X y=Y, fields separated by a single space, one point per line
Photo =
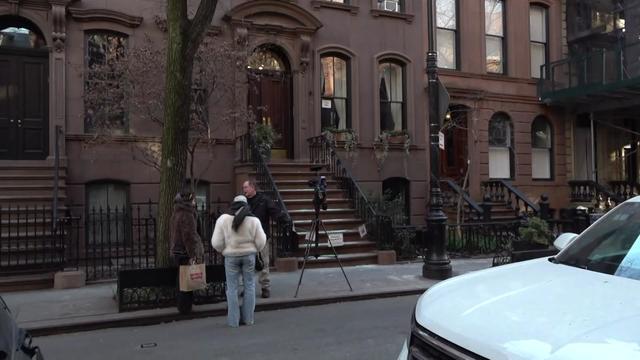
x=436 y=264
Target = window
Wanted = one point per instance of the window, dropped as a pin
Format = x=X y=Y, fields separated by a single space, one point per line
x=107 y=208
x=335 y=110
x=105 y=91
x=494 y=35
x=501 y=147
x=20 y=33
x=541 y=146
x=538 y=38
x=391 y=5
x=201 y=193
x=447 y=33
x=392 y=100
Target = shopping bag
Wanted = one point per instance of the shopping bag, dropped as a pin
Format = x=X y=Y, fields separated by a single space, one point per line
x=259 y=262
x=193 y=277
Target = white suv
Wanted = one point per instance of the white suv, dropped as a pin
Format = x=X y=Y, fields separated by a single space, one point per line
x=582 y=304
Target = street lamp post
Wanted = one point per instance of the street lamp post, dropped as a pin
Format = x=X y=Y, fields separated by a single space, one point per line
x=436 y=264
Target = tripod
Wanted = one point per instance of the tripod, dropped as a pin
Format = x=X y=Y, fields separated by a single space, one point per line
x=314 y=236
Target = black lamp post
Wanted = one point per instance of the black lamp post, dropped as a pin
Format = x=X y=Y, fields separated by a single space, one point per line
x=436 y=264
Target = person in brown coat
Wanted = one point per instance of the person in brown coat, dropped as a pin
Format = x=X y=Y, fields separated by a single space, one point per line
x=186 y=245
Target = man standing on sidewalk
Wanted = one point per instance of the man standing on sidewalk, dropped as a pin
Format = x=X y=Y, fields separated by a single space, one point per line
x=264 y=209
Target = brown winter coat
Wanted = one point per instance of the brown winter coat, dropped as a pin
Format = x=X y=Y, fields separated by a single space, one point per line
x=184 y=236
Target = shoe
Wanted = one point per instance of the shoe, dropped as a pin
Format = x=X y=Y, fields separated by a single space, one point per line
x=266 y=293
x=241 y=294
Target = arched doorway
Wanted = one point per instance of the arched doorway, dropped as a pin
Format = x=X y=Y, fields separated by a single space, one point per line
x=270 y=95
x=24 y=96
x=453 y=159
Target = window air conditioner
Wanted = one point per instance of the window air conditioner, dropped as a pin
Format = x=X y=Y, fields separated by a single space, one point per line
x=391 y=5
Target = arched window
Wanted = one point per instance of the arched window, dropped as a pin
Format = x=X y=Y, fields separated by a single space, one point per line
x=108 y=213
x=541 y=148
x=335 y=82
x=265 y=59
x=501 y=151
x=16 y=32
x=106 y=105
x=392 y=96
x=395 y=192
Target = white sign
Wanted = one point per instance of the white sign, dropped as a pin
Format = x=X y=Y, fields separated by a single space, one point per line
x=441 y=140
x=362 y=229
x=336 y=239
x=307 y=236
x=326 y=104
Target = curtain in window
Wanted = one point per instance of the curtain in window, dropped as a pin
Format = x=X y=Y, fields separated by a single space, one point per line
x=391 y=97
x=500 y=147
x=541 y=144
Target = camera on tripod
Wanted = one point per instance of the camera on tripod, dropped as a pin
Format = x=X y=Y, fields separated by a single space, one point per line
x=319 y=186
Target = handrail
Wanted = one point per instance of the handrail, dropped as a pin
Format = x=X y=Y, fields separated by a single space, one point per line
x=464 y=195
x=323 y=151
x=495 y=189
x=624 y=189
x=56 y=177
x=283 y=225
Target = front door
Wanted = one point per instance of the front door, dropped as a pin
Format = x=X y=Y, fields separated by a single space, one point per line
x=453 y=159
x=23 y=105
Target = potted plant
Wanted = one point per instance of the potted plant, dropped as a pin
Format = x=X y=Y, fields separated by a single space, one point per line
x=346 y=138
x=265 y=137
x=534 y=235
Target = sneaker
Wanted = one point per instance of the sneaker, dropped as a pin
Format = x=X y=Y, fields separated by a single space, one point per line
x=266 y=293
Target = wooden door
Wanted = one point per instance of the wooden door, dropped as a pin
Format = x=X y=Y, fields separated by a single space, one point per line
x=453 y=159
x=270 y=97
x=24 y=106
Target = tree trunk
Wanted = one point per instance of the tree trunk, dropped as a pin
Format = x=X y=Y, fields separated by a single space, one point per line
x=184 y=38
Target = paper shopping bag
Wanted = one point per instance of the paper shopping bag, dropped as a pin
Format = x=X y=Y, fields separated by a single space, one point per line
x=193 y=277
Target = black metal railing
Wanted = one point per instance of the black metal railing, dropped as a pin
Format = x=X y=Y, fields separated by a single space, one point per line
x=452 y=192
x=600 y=70
x=592 y=192
x=501 y=191
x=56 y=176
x=281 y=228
x=625 y=190
x=480 y=238
x=30 y=242
x=379 y=227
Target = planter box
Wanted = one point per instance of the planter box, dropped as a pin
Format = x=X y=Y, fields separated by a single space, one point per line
x=397 y=139
x=386 y=257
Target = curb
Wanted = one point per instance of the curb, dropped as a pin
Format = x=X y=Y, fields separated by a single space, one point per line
x=155 y=319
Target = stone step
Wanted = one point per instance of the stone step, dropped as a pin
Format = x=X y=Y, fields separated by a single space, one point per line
x=17 y=169
x=303 y=204
x=308 y=214
x=366 y=258
x=349 y=247
x=30 y=180
x=296 y=175
x=26 y=282
x=302 y=184
x=302 y=194
x=330 y=225
x=347 y=235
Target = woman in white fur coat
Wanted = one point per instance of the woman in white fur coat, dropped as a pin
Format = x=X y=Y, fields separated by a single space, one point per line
x=239 y=236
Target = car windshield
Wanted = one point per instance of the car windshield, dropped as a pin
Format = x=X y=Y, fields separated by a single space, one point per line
x=612 y=246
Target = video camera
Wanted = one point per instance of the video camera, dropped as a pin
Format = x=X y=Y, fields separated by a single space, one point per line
x=319 y=186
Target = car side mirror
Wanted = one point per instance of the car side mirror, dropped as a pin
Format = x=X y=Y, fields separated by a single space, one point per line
x=563 y=240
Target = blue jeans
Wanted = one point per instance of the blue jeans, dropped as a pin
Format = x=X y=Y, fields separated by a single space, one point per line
x=234 y=267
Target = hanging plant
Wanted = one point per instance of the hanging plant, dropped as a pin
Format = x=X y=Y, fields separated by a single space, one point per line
x=345 y=138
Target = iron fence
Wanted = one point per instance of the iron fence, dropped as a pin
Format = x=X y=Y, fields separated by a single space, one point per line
x=480 y=238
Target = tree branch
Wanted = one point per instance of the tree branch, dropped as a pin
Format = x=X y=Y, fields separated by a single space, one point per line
x=199 y=25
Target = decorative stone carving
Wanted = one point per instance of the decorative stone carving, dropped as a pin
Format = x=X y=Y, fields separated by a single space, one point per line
x=305 y=58
x=59 y=33
x=242 y=35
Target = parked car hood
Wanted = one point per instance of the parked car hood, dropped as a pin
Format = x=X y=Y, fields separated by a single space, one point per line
x=536 y=310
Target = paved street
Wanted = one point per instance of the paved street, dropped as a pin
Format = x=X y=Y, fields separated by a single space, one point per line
x=371 y=329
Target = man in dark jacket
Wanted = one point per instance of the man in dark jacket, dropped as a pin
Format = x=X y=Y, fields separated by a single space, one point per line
x=186 y=244
x=264 y=209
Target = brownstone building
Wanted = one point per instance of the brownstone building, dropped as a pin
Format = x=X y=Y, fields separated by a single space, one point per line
x=346 y=64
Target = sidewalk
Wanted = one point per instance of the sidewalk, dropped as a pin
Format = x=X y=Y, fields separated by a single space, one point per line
x=95 y=307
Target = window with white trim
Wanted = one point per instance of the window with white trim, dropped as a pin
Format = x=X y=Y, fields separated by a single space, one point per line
x=541 y=148
x=538 y=38
x=494 y=35
x=335 y=105
x=447 y=33
x=392 y=96
x=501 y=151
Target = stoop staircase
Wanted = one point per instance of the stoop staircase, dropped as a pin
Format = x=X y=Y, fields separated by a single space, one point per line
x=30 y=252
x=292 y=179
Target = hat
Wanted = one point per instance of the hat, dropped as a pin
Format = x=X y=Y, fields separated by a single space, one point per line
x=240 y=198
